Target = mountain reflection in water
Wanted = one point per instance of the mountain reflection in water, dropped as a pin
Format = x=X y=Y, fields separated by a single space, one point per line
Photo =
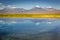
x=29 y=29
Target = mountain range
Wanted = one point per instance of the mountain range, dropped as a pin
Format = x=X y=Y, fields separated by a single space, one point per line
x=34 y=10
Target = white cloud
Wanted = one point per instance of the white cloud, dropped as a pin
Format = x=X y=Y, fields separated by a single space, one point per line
x=11 y=6
x=1 y=6
x=0 y=3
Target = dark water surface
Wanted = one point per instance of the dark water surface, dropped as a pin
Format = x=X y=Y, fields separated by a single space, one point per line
x=29 y=29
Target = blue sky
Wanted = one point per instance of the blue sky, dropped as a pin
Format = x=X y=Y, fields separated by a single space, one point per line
x=27 y=4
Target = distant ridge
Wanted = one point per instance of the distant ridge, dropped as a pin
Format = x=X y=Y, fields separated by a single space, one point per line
x=35 y=10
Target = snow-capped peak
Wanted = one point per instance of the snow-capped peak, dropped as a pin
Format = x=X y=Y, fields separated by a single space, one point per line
x=49 y=7
x=37 y=6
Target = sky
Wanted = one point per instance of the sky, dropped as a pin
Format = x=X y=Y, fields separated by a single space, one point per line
x=28 y=4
